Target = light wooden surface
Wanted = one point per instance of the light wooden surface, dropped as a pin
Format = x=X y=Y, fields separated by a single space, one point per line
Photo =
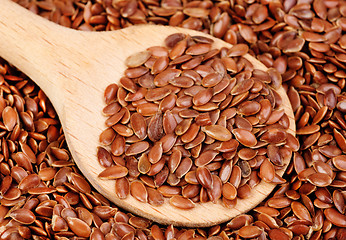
x=73 y=68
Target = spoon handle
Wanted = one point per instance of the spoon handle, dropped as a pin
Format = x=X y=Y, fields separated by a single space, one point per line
x=31 y=43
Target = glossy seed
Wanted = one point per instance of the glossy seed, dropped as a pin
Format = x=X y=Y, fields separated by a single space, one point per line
x=113 y=172
x=217 y=132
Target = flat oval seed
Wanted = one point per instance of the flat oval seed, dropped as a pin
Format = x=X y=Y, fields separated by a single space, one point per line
x=138 y=125
x=238 y=50
x=9 y=117
x=335 y=217
x=137 y=59
x=113 y=172
x=250 y=231
x=308 y=130
x=249 y=108
x=139 y=191
x=79 y=227
x=181 y=202
x=137 y=148
x=202 y=97
x=229 y=191
x=340 y=162
x=204 y=177
x=217 y=132
x=267 y=171
x=156 y=94
x=245 y=137
x=155 y=153
x=23 y=215
x=205 y=158
x=301 y=211
x=320 y=179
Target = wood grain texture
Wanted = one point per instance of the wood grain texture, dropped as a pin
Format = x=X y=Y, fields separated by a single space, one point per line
x=73 y=68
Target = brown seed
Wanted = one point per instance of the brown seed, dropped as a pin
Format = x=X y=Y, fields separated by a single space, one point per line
x=301 y=211
x=113 y=172
x=198 y=49
x=245 y=137
x=155 y=127
x=155 y=153
x=9 y=117
x=217 y=132
x=267 y=171
x=211 y=80
x=204 y=177
x=205 y=158
x=169 y=122
x=238 y=50
x=138 y=125
x=117 y=146
x=79 y=227
x=123 y=130
x=249 y=108
x=137 y=148
x=137 y=59
x=335 y=217
x=24 y=216
x=156 y=94
x=274 y=136
x=340 y=162
x=110 y=93
x=320 y=179
x=202 y=97
x=229 y=191
x=181 y=202
x=139 y=191
x=250 y=231
x=122 y=187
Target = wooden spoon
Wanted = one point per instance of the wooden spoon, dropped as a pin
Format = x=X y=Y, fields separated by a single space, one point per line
x=73 y=68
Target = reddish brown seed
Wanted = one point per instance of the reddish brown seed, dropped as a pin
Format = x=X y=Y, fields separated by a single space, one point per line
x=204 y=177
x=79 y=227
x=139 y=191
x=335 y=217
x=117 y=146
x=340 y=162
x=9 y=117
x=238 y=50
x=249 y=108
x=181 y=202
x=122 y=187
x=245 y=137
x=217 y=132
x=148 y=109
x=250 y=231
x=169 y=122
x=202 y=97
x=123 y=130
x=274 y=136
x=137 y=59
x=137 y=148
x=301 y=211
x=110 y=93
x=156 y=94
x=155 y=127
x=155 y=153
x=229 y=191
x=113 y=172
x=320 y=179
x=23 y=216
x=138 y=125
x=205 y=158
x=267 y=171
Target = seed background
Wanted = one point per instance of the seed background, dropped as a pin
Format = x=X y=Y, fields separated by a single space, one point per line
x=44 y=194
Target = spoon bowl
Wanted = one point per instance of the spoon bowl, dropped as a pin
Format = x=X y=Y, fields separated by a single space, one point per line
x=73 y=68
